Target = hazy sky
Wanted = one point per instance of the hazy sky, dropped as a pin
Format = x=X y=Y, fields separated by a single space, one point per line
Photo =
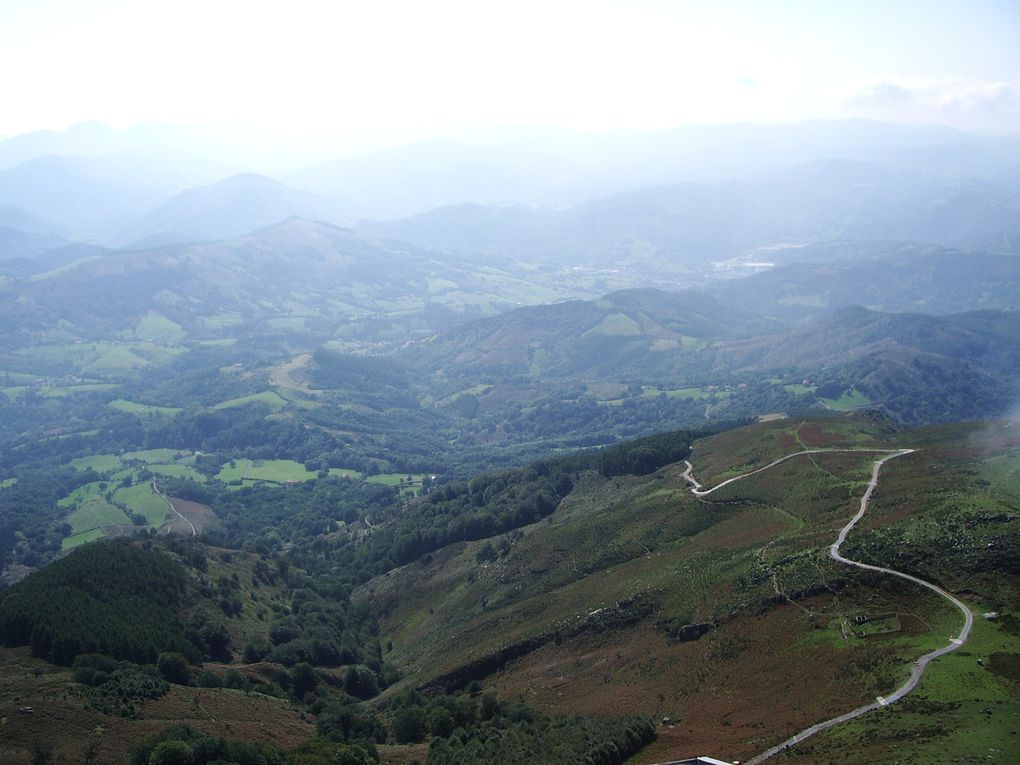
x=415 y=69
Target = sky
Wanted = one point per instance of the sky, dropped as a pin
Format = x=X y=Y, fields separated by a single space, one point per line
x=304 y=69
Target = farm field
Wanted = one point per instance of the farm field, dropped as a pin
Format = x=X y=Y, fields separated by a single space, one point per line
x=95 y=514
x=155 y=327
x=149 y=456
x=393 y=479
x=142 y=409
x=141 y=499
x=101 y=463
x=74 y=540
x=277 y=471
x=650 y=392
x=177 y=470
x=852 y=399
x=104 y=358
x=272 y=399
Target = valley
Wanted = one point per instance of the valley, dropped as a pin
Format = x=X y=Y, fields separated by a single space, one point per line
x=602 y=448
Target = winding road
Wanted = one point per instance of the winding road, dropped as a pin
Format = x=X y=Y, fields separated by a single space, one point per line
x=922 y=663
x=155 y=488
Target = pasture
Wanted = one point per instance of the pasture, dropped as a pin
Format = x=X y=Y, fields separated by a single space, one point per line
x=150 y=456
x=141 y=499
x=132 y=407
x=851 y=399
x=155 y=327
x=269 y=398
x=95 y=514
x=273 y=471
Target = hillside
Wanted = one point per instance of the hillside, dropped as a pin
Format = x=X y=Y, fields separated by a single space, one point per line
x=297 y=274
x=919 y=368
x=635 y=596
x=886 y=277
x=593 y=584
x=88 y=197
x=690 y=229
x=634 y=329
x=226 y=209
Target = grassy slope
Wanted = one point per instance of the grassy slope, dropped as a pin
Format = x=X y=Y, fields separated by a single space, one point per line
x=753 y=561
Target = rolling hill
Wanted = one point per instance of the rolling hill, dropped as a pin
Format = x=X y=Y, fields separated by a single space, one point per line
x=304 y=274
x=635 y=329
x=919 y=368
x=684 y=228
x=226 y=209
x=723 y=617
x=814 y=281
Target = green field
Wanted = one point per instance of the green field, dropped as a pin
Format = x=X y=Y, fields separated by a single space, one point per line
x=799 y=390
x=155 y=327
x=141 y=499
x=684 y=392
x=14 y=392
x=276 y=471
x=101 y=463
x=62 y=269
x=177 y=470
x=141 y=409
x=82 y=494
x=269 y=398
x=616 y=325
x=95 y=514
x=79 y=539
x=223 y=320
x=15 y=378
x=102 y=358
x=344 y=473
x=151 y=455
x=59 y=391
x=851 y=399
x=226 y=341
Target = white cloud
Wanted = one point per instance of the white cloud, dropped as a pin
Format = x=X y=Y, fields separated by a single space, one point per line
x=964 y=102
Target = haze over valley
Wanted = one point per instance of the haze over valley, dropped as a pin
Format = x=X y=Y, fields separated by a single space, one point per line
x=577 y=383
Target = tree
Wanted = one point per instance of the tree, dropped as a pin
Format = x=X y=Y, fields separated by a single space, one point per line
x=409 y=725
x=171 y=753
x=303 y=679
x=440 y=723
x=174 y=668
x=361 y=682
x=353 y=754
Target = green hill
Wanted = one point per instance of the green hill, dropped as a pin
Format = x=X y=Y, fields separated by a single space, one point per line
x=725 y=614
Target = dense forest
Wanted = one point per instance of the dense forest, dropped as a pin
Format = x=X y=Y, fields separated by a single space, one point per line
x=121 y=600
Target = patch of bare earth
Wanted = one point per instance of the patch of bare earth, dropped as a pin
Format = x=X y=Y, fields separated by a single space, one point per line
x=202 y=516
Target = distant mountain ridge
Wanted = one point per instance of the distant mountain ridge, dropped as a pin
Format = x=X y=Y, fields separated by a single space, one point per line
x=226 y=209
x=917 y=367
x=891 y=277
x=690 y=225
